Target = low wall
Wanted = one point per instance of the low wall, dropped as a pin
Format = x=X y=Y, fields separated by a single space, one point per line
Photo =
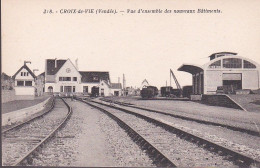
x=8 y=95
x=220 y=100
x=22 y=114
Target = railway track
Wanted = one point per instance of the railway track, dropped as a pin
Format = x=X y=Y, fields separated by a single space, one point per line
x=24 y=142
x=29 y=120
x=228 y=154
x=233 y=128
x=158 y=158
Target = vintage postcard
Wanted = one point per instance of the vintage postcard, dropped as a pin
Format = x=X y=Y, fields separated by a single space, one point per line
x=96 y=83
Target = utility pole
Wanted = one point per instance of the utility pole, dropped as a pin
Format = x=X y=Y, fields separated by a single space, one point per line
x=170 y=79
x=124 y=91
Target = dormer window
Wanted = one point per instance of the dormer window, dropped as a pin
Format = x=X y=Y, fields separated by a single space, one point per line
x=95 y=78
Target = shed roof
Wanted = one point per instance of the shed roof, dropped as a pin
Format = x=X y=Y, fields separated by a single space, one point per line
x=193 y=69
x=116 y=86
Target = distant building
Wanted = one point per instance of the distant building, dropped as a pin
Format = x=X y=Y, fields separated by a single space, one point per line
x=7 y=82
x=116 y=89
x=225 y=70
x=62 y=76
x=24 y=82
x=39 y=84
x=144 y=84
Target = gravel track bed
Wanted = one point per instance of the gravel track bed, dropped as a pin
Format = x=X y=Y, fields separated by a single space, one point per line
x=181 y=152
x=17 y=142
x=123 y=149
x=77 y=144
x=241 y=142
x=232 y=121
x=228 y=116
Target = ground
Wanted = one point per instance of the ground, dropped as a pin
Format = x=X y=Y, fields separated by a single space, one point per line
x=250 y=102
x=20 y=104
x=249 y=120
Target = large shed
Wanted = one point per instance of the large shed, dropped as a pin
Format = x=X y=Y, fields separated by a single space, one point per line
x=226 y=70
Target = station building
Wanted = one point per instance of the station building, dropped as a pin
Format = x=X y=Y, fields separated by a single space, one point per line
x=62 y=76
x=24 y=84
x=225 y=70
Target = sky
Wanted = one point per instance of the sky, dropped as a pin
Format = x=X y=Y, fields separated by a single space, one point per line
x=139 y=45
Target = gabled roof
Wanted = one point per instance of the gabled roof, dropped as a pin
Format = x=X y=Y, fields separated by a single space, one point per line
x=51 y=69
x=106 y=82
x=116 y=86
x=27 y=68
x=88 y=76
x=42 y=74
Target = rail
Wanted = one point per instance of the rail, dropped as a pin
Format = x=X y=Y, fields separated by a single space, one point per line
x=234 y=156
x=247 y=131
x=158 y=158
x=27 y=159
x=30 y=120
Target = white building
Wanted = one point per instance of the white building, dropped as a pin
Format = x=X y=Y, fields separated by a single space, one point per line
x=61 y=76
x=226 y=70
x=24 y=83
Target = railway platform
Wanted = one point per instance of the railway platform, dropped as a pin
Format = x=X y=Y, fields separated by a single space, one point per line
x=20 y=104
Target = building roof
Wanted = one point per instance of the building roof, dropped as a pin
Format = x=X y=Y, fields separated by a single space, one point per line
x=88 y=76
x=193 y=69
x=42 y=74
x=27 y=68
x=51 y=69
x=220 y=54
x=116 y=86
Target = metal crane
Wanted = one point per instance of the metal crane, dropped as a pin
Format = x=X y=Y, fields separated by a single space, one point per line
x=176 y=81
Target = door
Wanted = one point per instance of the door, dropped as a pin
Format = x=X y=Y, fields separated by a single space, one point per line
x=85 y=89
x=67 y=89
x=232 y=82
x=102 y=92
x=116 y=93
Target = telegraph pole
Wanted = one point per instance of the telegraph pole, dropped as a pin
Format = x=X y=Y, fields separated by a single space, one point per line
x=124 y=82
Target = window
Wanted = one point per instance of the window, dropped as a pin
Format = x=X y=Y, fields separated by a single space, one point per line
x=21 y=73
x=215 y=65
x=73 y=89
x=20 y=83
x=67 y=78
x=61 y=88
x=232 y=63
x=248 y=64
x=64 y=78
x=28 y=83
x=27 y=73
x=74 y=78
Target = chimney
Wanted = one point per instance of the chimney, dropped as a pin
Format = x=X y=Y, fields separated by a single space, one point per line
x=55 y=62
x=25 y=62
